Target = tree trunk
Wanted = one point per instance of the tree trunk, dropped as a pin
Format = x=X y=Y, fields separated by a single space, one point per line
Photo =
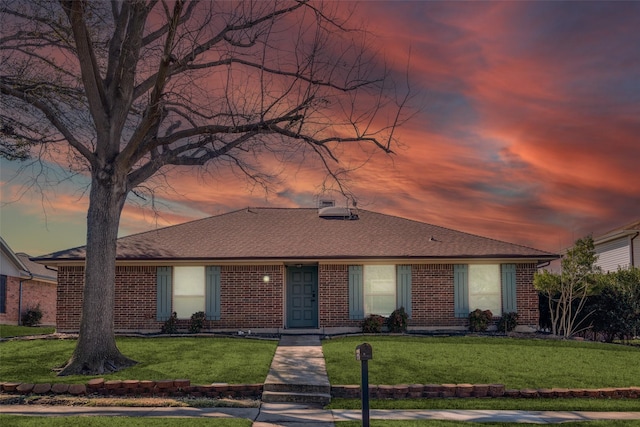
x=96 y=351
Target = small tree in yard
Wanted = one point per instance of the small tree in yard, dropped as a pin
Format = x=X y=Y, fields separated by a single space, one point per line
x=567 y=292
x=122 y=91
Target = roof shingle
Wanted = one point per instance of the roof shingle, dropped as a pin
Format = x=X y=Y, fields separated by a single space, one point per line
x=299 y=233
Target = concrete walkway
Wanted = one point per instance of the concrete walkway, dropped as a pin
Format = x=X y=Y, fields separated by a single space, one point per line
x=272 y=414
x=298 y=373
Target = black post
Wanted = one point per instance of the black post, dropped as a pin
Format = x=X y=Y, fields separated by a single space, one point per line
x=365 y=393
x=364 y=353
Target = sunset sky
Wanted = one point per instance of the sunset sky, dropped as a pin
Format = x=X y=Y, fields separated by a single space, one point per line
x=527 y=130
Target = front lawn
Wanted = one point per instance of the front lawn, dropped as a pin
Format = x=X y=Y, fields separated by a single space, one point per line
x=7 y=331
x=202 y=360
x=516 y=363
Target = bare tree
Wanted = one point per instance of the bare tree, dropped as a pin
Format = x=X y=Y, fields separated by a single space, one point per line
x=125 y=89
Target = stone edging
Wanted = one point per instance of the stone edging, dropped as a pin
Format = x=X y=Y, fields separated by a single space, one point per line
x=183 y=388
x=166 y=388
x=418 y=391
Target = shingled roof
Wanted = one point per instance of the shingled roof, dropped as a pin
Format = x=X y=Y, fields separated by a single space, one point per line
x=284 y=233
x=616 y=233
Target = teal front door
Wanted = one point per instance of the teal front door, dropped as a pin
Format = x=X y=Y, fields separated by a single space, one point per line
x=302 y=297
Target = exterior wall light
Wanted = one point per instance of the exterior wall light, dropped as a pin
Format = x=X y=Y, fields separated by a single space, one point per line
x=266 y=278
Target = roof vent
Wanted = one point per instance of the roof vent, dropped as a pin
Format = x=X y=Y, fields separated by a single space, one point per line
x=326 y=203
x=335 y=212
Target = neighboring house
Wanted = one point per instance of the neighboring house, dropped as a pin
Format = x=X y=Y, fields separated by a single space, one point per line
x=619 y=248
x=23 y=285
x=276 y=270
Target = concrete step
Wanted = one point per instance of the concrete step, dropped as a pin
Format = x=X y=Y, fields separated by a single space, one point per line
x=293 y=397
x=297 y=388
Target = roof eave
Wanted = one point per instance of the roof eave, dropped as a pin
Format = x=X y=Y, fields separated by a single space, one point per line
x=293 y=259
x=615 y=236
x=12 y=255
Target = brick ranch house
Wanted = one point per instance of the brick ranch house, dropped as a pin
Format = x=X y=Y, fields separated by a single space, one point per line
x=277 y=270
x=25 y=285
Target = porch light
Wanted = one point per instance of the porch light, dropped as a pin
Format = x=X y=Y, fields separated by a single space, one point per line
x=266 y=278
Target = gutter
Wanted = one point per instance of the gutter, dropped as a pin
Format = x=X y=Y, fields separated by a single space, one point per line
x=540 y=265
x=604 y=239
x=631 y=249
x=20 y=297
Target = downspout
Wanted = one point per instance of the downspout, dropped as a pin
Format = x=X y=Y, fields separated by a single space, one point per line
x=542 y=264
x=20 y=298
x=631 y=249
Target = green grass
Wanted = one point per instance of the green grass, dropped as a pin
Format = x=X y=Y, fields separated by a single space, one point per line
x=7 y=331
x=601 y=405
x=201 y=360
x=444 y=423
x=97 y=421
x=516 y=363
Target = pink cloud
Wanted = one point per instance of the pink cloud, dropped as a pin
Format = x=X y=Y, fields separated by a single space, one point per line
x=526 y=129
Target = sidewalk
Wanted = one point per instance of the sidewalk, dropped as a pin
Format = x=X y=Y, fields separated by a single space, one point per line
x=275 y=414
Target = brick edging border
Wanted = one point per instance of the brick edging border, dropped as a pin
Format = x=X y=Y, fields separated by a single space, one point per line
x=408 y=391
x=164 y=388
x=183 y=388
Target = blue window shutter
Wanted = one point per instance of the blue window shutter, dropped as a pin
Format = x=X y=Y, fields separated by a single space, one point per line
x=164 y=293
x=356 y=293
x=212 y=293
x=3 y=294
x=509 y=297
x=404 y=288
x=461 y=290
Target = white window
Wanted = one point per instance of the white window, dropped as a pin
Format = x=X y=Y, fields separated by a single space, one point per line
x=188 y=291
x=379 y=289
x=485 y=288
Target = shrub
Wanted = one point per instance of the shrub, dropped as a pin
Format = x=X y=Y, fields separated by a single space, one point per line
x=479 y=320
x=197 y=322
x=397 y=321
x=373 y=324
x=508 y=322
x=32 y=316
x=170 y=326
x=617 y=308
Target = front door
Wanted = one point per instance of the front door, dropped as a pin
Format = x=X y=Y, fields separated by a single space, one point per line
x=302 y=301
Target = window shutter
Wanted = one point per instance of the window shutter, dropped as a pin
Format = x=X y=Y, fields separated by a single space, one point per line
x=461 y=290
x=509 y=300
x=164 y=293
x=3 y=294
x=356 y=294
x=212 y=293
x=404 y=288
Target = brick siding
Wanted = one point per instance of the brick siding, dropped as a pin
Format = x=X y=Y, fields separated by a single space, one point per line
x=333 y=292
x=527 y=296
x=69 y=298
x=34 y=293
x=432 y=302
x=247 y=301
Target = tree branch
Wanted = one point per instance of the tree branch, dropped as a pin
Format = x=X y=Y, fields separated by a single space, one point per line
x=52 y=116
x=90 y=70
